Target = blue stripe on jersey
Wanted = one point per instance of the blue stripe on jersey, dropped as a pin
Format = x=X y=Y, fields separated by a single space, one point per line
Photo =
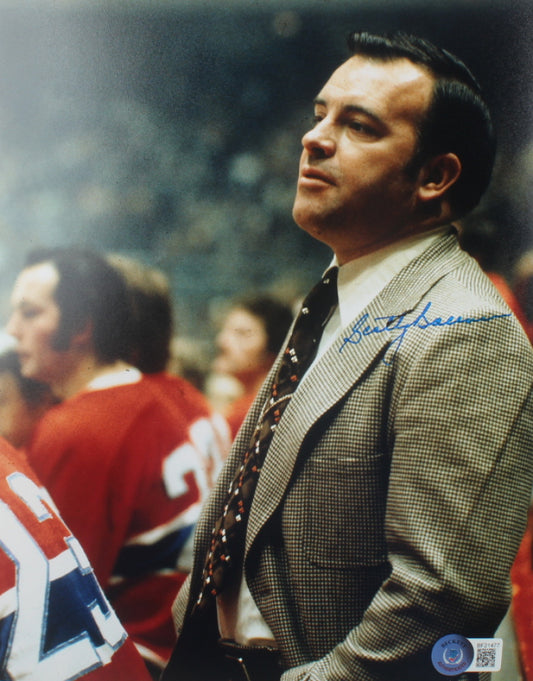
x=69 y=617
x=6 y=625
x=135 y=560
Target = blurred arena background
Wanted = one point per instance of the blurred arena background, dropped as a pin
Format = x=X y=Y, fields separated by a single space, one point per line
x=170 y=131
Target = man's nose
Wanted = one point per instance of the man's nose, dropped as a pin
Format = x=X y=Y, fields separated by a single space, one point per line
x=222 y=340
x=319 y=142
x=12 y=327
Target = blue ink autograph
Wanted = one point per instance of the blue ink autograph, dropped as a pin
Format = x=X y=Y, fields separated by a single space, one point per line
x=361 y=328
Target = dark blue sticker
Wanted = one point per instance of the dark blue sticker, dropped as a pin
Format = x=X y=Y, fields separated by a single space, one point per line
x=452 y=655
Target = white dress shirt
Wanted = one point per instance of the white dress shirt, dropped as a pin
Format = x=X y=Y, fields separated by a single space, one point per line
x=362 y=279
x=359 y=281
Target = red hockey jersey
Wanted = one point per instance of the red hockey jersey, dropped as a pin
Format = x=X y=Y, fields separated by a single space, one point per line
x=121 y=467
x=208 y=431
x=55 y=622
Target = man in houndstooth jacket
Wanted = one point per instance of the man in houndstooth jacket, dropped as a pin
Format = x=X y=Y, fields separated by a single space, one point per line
x=394 y=493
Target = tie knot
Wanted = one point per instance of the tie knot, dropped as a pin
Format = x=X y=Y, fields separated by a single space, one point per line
x=315 y=311
x=330 y=278
x=322 y=298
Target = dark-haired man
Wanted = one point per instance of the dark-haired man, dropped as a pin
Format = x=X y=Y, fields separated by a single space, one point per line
x=378 y=488
x=119 y=463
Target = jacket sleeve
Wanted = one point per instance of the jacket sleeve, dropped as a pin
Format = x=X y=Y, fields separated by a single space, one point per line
x=180 y=604
x=461 y=433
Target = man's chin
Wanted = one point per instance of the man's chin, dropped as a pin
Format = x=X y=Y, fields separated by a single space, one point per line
x=310 y=216
x=28 y=373
x=312 y=226
x=304 y=219
x=27 y=370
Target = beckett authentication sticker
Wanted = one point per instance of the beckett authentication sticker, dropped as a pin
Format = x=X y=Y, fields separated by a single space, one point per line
x=454 y=654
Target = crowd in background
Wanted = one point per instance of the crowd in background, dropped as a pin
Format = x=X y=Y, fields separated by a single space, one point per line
x=173 y=137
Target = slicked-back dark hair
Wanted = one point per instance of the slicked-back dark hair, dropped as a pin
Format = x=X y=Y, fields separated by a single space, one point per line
x=89 y=290
x=458 y=119
x=274 y=314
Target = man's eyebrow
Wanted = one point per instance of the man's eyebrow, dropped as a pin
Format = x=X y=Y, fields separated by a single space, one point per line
x=352 y=108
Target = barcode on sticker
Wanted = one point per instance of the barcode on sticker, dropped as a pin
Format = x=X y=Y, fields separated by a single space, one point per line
x=487 y=655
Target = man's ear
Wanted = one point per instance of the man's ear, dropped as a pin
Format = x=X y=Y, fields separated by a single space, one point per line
x=438 y=175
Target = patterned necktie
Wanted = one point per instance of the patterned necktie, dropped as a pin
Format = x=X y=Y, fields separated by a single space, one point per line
x=230 y=529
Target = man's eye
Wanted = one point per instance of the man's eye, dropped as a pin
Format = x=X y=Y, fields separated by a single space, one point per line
x=317 y=118
x=29 y=313
x=363 y=128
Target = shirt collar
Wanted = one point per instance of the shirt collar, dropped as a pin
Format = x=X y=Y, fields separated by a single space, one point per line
x=113 y=379
x=361 y=280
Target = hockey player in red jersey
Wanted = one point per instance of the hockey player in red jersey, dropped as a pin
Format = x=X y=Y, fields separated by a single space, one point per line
x=117 y=460
x=150 y=353
x=55 y=622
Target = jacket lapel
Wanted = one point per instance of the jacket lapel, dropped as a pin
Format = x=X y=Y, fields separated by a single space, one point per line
x=363 y=342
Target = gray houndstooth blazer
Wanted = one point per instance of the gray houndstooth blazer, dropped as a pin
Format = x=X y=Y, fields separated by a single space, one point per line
x=394 y=495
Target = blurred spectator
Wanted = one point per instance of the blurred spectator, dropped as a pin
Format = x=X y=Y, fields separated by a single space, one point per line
x=151 y=354
x=249 y=340
x=23 y=401
x=115 y=457
x=55 y=622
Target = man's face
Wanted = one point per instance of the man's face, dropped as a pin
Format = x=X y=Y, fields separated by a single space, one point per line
x=34 y=322
x=242 y=345
x=353 y=189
